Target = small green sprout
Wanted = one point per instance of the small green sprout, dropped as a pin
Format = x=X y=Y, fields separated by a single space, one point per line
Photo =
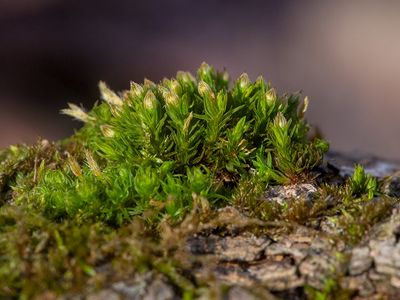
x=362 y=183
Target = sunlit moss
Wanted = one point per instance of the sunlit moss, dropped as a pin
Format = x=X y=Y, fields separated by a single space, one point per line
x=151 y=147
x=149 y=167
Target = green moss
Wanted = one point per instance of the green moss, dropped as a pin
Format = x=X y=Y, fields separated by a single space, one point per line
x=146 y=150
x=148 y=168
x=362 y=183
x=38 y=256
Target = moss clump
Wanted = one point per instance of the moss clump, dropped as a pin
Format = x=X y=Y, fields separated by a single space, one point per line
x=147 y=170
x=145 y=151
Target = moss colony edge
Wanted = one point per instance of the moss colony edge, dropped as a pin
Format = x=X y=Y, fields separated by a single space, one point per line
x=151 y=166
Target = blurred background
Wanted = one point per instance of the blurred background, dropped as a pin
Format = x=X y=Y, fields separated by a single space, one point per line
x=345 y=55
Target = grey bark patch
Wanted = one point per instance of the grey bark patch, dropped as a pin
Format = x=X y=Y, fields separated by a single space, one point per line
x=282 y=193
x=360 y=261
x=242 y=248
x=159 y=290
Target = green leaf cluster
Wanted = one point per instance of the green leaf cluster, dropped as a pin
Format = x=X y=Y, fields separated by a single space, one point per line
x=362 y=183
x=146 y=151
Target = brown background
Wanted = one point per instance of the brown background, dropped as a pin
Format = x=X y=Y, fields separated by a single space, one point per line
x=344 y=56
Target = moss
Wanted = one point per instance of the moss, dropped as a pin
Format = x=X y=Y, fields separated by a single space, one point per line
x=149 y=168
x=38 y=256
x=146 y=150
x=352 y=214
x=362 y=183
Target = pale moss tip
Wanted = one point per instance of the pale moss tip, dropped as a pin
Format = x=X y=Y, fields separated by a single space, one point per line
x=108 y=95
x=244 y=81
x=171 y=99
x=204 y=89
x=76 y=112
x=149 y=100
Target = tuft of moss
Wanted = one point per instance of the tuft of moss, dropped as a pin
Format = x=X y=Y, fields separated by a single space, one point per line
x=362 y=183
x=146 y=150
x=146 y=171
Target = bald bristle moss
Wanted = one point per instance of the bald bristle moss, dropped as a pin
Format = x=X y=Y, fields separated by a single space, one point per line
x=160 y=143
